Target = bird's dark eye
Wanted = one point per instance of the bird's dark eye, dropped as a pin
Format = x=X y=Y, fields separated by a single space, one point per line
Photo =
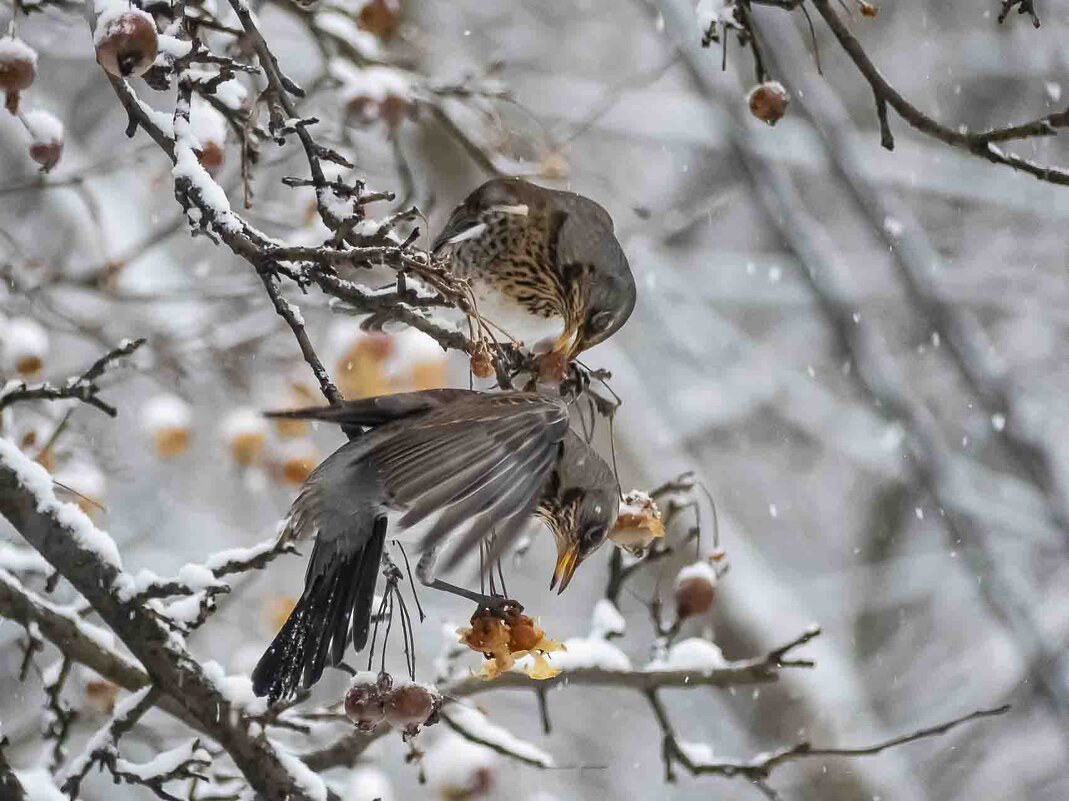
x=601 y=321
x=592 y=538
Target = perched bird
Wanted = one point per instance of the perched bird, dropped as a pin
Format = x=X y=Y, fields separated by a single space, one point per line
x=430 y=466
x=544 y=265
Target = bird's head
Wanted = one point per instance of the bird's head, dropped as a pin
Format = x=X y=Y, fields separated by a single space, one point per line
x=580 y=526
x=510 y=196
x=610 y=301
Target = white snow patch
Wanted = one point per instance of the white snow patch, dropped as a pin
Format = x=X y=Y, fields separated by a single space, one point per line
x=12 y=49
x=39 y=785
x=44 y=127
x=697 y=753
x=411 y=347
x=582 y=652
x=36 y=480
x=197 y=577
x=606 y=620
x=453 y=764
x=715 y=11
x=102 y=736
x=243 y=422
x=165 y=762
x=236 y=689
x=23 y=338
x=303 y=776
x=374 y=82
x=477 y=725
x=345 y=28
x=693 y=653
x=368 y=783
x=172 y=46
x=698 y=570
x=17 y=559
x=166 y=411
x=117 y=19
x=206 y=124
x=221 y=558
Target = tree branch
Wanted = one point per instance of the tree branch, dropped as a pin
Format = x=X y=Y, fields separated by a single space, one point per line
x=83 y=388
x=70 y=542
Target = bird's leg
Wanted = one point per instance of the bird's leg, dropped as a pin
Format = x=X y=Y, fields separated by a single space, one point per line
x=498 y=604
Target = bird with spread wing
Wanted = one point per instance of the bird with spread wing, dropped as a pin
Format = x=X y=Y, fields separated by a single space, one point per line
x=446 y=468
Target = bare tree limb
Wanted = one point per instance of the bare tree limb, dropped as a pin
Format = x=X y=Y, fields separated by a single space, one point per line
x=83 y=388
x=760 y=768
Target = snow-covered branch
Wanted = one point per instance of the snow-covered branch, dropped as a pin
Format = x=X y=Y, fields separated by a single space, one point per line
x=87 y=558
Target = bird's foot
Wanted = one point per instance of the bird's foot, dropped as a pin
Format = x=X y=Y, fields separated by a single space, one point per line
x=498 y=605
x=502 y=607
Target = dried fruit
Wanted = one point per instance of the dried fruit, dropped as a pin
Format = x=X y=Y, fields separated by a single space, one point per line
x=210 y=157
x=246 y=434
x=380 y=17
x=503 y=640
x=638 y=523
x=768 y=101
x=410 y=706
x=47 y=133
x=695 y=589
x=553 y=366
x=18 y=68
x=482 y=364
x=168 y=419
x=296 y=469
x=364 y=701
x=100 y=695
x=395 y=109
x=126 y=42
x=359 y=371
x=302 y=397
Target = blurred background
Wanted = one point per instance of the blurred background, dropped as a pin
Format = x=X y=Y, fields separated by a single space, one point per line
x=861 y=353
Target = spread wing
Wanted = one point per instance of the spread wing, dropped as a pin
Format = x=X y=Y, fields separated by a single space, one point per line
x=479 y=465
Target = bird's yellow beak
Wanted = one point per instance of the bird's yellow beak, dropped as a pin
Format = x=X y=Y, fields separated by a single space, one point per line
x=570 y=343
x=567 y=562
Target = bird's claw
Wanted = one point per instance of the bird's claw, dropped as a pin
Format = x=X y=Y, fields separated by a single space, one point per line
x=500 y=606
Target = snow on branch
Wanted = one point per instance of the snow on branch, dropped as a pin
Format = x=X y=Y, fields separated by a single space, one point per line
x=88 y=559
x=473 y=725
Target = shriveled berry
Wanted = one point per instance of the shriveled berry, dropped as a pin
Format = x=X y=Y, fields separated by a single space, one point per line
x=126 y=42
x=768 y=101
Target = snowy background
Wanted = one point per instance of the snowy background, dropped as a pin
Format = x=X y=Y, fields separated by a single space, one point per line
x=938 y=591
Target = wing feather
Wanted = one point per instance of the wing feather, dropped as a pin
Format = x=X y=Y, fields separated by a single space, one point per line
x=479 y=462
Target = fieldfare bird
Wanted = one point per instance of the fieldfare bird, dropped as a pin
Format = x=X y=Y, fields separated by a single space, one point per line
x=544 y=265
x=430 y=466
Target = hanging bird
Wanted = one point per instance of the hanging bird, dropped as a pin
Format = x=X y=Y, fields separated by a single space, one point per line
x=437 y=466
x=544 y=265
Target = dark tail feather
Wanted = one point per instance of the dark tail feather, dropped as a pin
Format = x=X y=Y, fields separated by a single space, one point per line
x=376 y=411
x=339 y=588
x=365 y=587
